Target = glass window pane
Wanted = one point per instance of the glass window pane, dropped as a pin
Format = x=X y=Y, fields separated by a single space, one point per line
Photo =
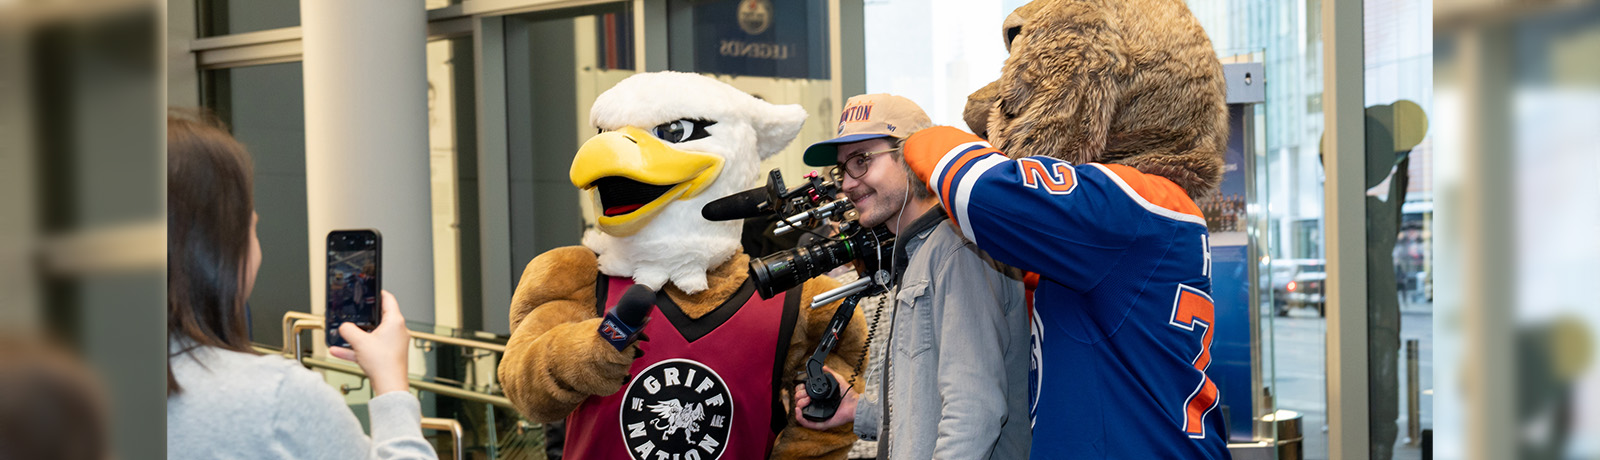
x=265 y=107
x=223 y=17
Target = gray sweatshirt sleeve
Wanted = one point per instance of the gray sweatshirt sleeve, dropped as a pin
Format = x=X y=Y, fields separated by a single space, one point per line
x=971 y=326
x=397 y=427
x=313 y=421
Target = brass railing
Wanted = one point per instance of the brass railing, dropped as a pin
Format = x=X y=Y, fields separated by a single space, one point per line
x=456 y=433
x=296 y=323
x=294 y=317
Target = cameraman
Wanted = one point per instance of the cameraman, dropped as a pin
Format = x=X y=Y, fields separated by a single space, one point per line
x=954 y=381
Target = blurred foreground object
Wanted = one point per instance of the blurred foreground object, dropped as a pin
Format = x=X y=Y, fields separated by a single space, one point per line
x=1550 y=359
x=51 y=406
x=1517 y=100
x=81 y=247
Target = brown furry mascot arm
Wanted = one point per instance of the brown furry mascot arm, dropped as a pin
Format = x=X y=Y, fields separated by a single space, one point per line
x=555 y=359
x=796 y=442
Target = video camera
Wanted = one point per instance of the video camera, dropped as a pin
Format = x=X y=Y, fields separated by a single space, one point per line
x=804 y=208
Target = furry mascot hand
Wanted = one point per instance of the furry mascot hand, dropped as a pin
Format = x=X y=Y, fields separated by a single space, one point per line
x=603 y=375
x=553 y=310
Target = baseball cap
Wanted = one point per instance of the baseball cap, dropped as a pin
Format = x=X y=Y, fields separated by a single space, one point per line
x=869 y=116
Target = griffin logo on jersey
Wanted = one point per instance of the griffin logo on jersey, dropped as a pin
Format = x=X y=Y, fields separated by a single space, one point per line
x=677 y=409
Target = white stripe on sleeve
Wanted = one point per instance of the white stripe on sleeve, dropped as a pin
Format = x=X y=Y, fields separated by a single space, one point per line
x=944 y=162
x=964 y=193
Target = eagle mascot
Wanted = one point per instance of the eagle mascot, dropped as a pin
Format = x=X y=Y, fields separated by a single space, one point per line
x=1107 y=122
x=709 y=377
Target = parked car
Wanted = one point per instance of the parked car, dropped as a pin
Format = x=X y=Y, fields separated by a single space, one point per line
x=1298 y=283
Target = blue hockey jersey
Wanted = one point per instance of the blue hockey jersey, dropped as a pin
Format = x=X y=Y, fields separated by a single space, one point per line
x=1122 y=315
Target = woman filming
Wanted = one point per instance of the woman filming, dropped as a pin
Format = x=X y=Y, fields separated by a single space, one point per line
x=223 y=399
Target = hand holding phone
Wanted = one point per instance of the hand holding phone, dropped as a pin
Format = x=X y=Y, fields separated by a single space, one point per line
x=355 y=277
x=382 y=353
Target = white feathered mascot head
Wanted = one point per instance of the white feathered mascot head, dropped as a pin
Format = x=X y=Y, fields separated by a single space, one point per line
x=671 y=142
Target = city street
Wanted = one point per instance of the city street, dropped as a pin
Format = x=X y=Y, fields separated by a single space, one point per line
x=1300 y=378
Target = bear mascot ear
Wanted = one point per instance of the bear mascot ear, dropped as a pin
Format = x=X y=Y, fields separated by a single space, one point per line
x=1126 y=82
x=776 y=126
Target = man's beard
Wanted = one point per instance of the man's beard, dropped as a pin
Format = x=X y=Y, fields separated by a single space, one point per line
x=883 y=206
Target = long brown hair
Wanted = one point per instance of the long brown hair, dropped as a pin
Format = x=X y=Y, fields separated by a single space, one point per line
x=209 y=210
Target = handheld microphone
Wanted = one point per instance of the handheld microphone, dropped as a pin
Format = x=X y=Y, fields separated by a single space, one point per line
x=755 y=202
x=627 y=318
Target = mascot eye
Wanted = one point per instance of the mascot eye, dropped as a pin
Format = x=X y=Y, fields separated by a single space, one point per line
x=683 y=130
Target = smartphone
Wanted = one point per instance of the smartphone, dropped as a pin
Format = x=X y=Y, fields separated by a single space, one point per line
x=355 y=281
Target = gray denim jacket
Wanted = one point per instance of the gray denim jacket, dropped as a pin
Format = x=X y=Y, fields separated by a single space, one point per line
x=954 y=385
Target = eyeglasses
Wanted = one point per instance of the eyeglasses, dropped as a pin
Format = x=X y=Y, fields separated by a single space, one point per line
x=856 y=166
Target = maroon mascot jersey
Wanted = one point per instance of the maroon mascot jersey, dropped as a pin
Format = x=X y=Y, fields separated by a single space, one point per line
x=705 y=388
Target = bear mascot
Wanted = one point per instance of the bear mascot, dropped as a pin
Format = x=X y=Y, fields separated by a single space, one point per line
x=709 y=376
x=1107 y=123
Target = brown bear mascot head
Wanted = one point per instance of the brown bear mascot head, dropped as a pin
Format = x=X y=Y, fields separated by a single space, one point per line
x=1131 y=82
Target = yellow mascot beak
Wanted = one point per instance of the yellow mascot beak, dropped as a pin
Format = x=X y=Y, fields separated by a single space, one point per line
x=634 y=175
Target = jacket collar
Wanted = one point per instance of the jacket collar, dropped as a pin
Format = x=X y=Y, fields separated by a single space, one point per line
x=917 y=231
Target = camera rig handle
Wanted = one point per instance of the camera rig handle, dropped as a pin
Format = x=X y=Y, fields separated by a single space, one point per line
x=841 y=292
x=822 y=388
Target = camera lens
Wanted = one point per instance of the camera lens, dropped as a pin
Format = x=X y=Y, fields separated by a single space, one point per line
x=786 y=269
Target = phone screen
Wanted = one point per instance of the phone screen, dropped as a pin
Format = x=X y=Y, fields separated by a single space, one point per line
x=354 y=275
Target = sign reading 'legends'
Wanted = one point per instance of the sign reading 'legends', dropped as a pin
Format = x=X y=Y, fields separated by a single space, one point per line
x=764 y=38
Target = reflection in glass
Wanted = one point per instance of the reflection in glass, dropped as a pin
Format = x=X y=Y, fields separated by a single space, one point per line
x=1398 y=92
